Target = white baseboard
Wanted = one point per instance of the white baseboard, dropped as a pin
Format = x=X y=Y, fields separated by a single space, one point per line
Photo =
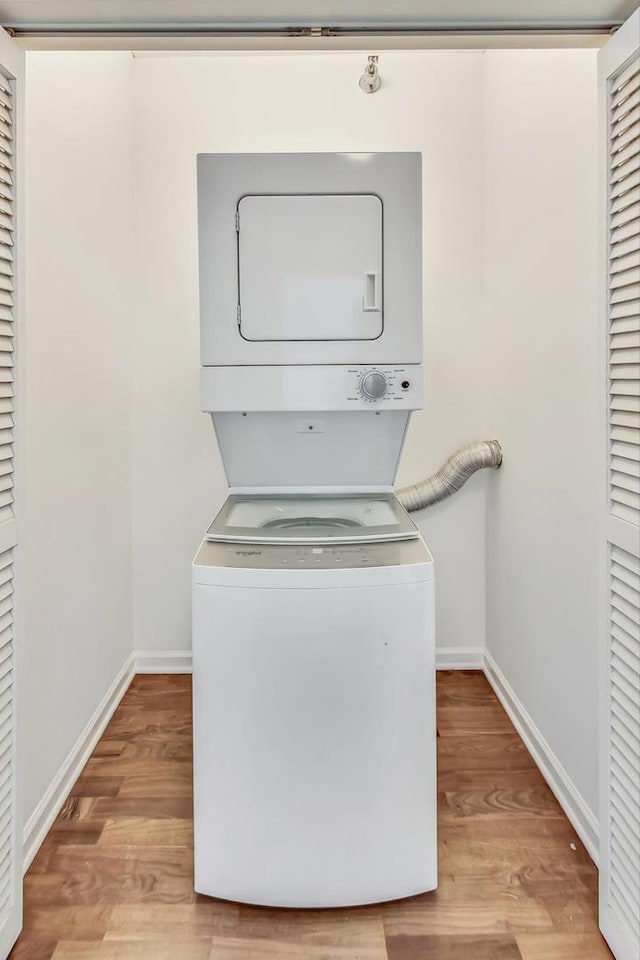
x=582 y=818
x=162 y=661
x=459 y=658
x=179 y=661
x=40 y=821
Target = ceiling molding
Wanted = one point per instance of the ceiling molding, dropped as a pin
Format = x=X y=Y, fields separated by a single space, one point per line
x=425 y=28
x=70 y=24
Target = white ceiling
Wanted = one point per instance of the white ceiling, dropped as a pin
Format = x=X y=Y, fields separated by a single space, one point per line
x=44 y=15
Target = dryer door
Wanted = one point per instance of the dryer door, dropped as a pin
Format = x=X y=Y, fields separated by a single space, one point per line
x=310 y=267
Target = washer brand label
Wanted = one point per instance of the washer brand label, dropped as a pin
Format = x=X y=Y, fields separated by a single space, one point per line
x=248 y=553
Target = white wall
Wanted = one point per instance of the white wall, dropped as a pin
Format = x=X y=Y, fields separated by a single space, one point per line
x=431 y=102
x=541 y=300
x=75 y=542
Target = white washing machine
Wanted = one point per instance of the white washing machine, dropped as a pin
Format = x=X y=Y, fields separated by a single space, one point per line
x=314 y=700
x=313 y=592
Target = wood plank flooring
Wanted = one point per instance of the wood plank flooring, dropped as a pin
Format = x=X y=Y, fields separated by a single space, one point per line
x=113 y=879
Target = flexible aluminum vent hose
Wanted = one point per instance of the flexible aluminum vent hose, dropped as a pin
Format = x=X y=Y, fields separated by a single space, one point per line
x=452 y=475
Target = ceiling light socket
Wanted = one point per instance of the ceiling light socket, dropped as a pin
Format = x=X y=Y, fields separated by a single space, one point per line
x=370 y=79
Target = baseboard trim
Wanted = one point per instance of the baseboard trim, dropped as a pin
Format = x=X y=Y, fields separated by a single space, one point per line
x=179 y=661
x=162 y=661
x=566 y=793
x=40 y=821
x=459 y=658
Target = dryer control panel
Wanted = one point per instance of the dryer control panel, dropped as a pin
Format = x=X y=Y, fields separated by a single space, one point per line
x=379 y=384
x=314 y=387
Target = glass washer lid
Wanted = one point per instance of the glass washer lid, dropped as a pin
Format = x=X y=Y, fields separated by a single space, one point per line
x=311 y=518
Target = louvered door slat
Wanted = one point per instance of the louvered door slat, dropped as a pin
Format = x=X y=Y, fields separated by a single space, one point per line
x=624 y=646
x=620 y=467
x=621 y=482
x=623 y=575
x=623 y=194
x=626 y=679
x=628 y=868
x=625 y=559
x=624 y=335
x=625 y=176
x=623 y=261
x=627 y=309
x=624 y=710
x=629 y=823
x=627 y=340
x=618 y=219
x=630 y=291
x=627 y=434
x=625 y=140
x=623 y=805
x=626 y=387
x=627 y=418
x=619 y=65
x=618 y=403
x=631 y=103
x=5 y=653
x=623 y=585
x=623 y=895
x=625 y=770
x=626 y=80
x=619 y=616
x=625 y=505
x=631 y=243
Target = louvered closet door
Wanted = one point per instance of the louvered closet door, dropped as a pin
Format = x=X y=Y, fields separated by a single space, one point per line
x=11 y=101
x=620 y=691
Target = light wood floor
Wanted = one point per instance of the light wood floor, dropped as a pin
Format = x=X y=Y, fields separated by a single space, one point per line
x=113 y=880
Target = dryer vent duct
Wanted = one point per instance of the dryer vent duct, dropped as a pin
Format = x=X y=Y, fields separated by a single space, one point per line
x=452 y=475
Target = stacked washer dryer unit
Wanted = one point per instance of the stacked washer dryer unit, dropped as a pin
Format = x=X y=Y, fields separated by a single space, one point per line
x=313 y=592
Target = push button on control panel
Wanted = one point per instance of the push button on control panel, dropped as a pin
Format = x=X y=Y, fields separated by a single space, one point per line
x=373 y=385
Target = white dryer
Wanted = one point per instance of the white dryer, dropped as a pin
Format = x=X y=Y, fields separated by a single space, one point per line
x=313 y=592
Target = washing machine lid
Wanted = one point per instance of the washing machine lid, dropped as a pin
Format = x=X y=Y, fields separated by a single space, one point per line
x=312 y=518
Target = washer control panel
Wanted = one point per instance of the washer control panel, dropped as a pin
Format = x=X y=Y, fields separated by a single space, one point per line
x=325 y=557
x=262 y=556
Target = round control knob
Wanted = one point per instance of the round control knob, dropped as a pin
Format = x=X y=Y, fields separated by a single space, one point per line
x=373 y=385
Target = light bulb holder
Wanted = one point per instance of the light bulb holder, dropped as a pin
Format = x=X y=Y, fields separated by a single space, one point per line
x=370 y=79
